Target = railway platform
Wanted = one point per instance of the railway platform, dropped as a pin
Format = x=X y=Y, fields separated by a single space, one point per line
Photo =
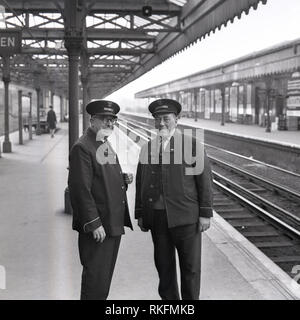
x=38 y=248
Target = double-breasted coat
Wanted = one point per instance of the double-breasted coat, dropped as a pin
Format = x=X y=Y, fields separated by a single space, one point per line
x=97 y=189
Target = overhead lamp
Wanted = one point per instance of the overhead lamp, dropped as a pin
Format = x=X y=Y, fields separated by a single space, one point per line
x=147 y=11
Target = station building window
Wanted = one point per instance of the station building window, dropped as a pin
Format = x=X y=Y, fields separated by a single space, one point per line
x=227 y=99
x=181 y=100
x=218 y=101
x=212 y=101
x=233 y=104
x=249 y=109
x=241 y=107
x=202 y=100
x=207 y=104
x=189 y=102
x=184 y=102
x=196 y=95
x=173 y=96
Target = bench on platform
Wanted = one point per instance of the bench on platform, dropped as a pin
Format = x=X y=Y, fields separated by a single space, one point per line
x=43 y=126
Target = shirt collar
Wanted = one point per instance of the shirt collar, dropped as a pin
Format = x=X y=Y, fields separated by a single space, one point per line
x=93 y=135
x=170 y=136
x=166 y=141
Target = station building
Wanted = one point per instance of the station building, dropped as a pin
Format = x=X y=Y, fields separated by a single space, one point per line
x=262 y=88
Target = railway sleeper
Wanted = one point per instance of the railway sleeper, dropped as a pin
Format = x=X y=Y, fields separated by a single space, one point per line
x=220 y=198
x=237 y=215
x=230 y=210
x=291 y=251
x=291 y=268
x=268 y=238
x=227 y=203
x=285 y=259
x=273 y=244
x=258 y=190
x=253 y=222
x=263 y=233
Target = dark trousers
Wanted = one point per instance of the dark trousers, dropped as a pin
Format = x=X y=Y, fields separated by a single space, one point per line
x=187 y=240
x=98 y=261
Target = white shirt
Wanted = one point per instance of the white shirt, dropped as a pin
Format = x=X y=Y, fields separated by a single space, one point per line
x=167 y=140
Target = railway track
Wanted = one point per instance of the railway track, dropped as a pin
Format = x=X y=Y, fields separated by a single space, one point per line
x=266 y=213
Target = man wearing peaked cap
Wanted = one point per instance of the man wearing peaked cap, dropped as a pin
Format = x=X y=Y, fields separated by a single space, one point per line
x=103 y=108
x=162 y=106
x=98 y=198
x=174 y=200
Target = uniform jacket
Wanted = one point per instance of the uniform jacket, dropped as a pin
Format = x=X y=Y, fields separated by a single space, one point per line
x=186 y=181
x=97 y=189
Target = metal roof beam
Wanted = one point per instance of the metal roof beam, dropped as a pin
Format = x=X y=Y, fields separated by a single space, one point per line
x=95 y=63
x=91 y=51
x=92 y=71
x=112 y=6
x=91 y=34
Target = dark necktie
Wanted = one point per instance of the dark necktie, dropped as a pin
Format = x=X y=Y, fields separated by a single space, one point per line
x=160 y=151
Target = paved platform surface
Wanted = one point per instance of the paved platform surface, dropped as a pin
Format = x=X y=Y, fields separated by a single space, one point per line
x=38 y=248
x=291 y=138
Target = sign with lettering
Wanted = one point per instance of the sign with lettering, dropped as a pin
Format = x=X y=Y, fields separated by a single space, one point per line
x=10 y=42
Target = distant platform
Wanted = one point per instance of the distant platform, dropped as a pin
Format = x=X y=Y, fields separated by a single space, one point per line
x=279 y=148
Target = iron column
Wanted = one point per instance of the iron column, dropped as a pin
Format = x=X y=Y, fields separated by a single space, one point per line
x=73 y=46
x=84 y=82
x=20 y=117
x=74 y=17
x=30 y=116
x=38 y=127
x=223 y=105
x=61 y=108
x=6 y=80
x=196 y=103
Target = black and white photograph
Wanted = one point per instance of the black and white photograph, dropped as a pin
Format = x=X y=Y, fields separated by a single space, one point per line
x=149 y=151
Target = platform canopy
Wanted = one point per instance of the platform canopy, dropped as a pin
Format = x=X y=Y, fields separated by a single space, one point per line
x=119 y=39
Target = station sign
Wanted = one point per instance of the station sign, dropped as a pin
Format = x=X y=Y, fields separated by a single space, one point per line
x=293 y=113
x=10 y=42
x=293 y=101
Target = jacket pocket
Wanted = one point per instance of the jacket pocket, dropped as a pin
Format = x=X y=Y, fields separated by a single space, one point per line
x=189 y=186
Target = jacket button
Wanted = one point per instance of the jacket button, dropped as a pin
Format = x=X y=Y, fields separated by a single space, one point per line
x=123 y=201
x=152 y=172
x=122 y=187
x=151 y=186
x=150 y=199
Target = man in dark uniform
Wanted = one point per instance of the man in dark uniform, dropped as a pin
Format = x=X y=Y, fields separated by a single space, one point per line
x=174 y=200
x=97 y=188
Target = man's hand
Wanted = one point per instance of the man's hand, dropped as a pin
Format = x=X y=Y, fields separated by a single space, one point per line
x=140 y=224
x=204 y=224
x=99 y=234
